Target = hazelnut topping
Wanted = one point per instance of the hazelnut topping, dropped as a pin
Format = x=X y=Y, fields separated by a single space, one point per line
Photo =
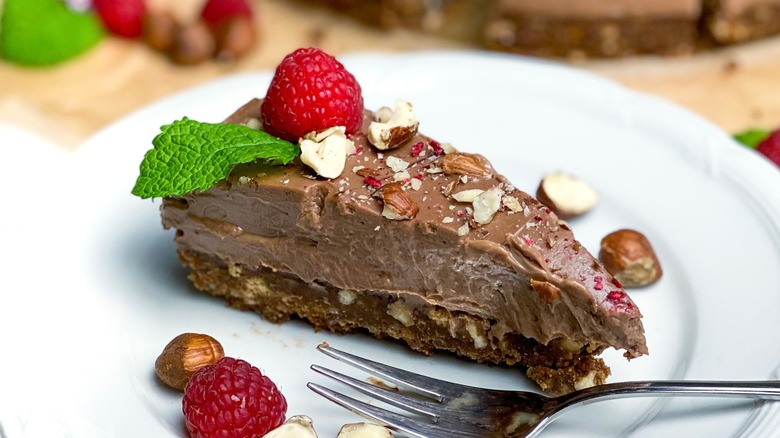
x=461 y=163
x=397 y=130
x=398 y=205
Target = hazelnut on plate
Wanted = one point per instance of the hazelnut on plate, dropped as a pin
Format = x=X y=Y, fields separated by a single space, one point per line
x=364 y=430
x=297 y=426
x=566 y=195
x=184 y=355
x=192 y=44
x=159 y=29
x=629 y=257
x=234 y=38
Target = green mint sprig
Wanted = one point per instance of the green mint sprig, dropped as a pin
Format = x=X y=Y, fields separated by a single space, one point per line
x=752 y=137
x=190 y=155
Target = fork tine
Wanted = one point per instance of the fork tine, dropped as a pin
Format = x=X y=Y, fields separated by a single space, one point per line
x=411 y=404
x=391 y=419
x=433 y=388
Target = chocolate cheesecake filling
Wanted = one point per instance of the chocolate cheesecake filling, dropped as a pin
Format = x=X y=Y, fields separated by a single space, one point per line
x=520 y=280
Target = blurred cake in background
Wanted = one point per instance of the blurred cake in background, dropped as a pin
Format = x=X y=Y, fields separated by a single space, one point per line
x=734 y=21
x=577 y=28
x=603 y=28
x=460 y=19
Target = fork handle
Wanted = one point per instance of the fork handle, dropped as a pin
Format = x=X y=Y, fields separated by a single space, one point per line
x=764 y=390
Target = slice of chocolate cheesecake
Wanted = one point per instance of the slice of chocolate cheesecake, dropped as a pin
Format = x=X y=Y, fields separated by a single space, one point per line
x=419 y=243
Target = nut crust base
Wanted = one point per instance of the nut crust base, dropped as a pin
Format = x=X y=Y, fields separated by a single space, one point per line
x=558 y=367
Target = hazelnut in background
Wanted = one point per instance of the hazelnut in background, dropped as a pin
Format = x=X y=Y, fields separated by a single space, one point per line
x=159 y=30
x=192 y=44
x=234 y=38
x=225 y=31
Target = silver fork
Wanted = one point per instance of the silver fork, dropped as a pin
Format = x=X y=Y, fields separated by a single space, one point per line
x=444 y=409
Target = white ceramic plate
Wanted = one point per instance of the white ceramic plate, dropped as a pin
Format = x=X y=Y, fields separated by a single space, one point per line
x=711 y=208
x=31 y=170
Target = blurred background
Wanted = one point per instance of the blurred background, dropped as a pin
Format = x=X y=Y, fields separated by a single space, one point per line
x=69 y=68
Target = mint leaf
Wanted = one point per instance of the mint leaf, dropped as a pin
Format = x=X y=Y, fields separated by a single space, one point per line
x=190 y=155
x=39 y=33
x=752 y=137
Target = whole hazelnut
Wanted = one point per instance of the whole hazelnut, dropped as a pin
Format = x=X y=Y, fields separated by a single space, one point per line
x=234 y=37
x=192 y=44
x=184 y=355
x=159 y=30
x=629 y=257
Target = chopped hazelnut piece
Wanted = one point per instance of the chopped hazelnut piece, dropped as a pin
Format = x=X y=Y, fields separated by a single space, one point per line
x=397 y=130
x=297 y=426
x=460 y=163
x=364 y=430
x=401 y=176
x=326 y=152
x=398 y=205
x=383 y=115
x=396 y=164
x=467 y=195
x=401 y=312
x=512 y=204
x=487 y=204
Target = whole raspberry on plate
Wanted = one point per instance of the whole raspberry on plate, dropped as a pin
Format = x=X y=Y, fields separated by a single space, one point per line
x=311 y=91
x=232 y=399
x=770 y=147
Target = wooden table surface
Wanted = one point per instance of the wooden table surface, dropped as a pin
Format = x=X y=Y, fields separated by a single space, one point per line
x=735 y=88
